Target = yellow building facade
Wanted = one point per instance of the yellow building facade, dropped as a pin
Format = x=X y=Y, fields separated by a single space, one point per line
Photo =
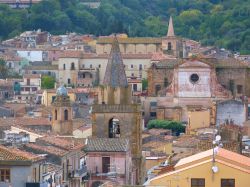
x=232 y=170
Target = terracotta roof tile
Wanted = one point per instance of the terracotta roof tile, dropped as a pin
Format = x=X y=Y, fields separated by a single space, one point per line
x=63 y=143
x=14 y=154
x=47 y=149
x=71 y=54
x=24 y=121
x=32 y=76
x=107 y=145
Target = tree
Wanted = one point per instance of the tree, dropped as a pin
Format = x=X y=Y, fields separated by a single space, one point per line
x=48 y=82
x=175 y=126
x=144 y=84
x=3 y=69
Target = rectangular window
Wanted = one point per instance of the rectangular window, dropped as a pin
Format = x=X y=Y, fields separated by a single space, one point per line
x=4 y=175
x=152 y=114
x=239 y=89
x=153 y=104
x=134 y=87
x=197 y=182
x=140 y=67
x=227 y=182
x=28 y=81
x=132 y=66
x=69 y=81
x=105 y=164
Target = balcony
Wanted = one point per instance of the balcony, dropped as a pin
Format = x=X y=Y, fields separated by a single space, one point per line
x=79 y=173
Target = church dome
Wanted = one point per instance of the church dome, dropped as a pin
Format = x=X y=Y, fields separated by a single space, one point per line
x=62 y=91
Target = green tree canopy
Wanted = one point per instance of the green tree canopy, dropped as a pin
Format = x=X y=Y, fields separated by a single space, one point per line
x=48 y=82
x=213 y=22
x=175 y=126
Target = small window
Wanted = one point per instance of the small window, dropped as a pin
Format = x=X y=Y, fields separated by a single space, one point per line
x=165 y=82
x=153 y=104
x=157 y=88
x=239 y=89
x=55 y=114
x=169 y=46
x=66 y=117
x=90 y=66
x=227 y=182
x=90 y=76
x=194 y=78
x=72 y=66
x=152 y=114
x=132 y=66
x=99 y=66
x=83 y=75
x=4 y=175
x=198 y=182
x=132 y=75
x=83 y=66
x=134 y=87
x=69 y=81
x=64 y=66
x=140 y=67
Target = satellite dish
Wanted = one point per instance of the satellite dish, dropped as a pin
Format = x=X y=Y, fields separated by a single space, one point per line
x=218 y=138
x=215 y=169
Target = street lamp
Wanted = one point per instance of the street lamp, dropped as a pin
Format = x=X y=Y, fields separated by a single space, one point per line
x=216 y=145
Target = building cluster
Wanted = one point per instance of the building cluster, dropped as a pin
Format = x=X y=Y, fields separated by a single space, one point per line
x=93 y=127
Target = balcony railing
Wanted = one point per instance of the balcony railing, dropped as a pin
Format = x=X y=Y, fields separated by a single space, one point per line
x=78 y=173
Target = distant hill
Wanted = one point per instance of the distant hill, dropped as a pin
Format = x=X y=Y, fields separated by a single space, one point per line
x=224 y=23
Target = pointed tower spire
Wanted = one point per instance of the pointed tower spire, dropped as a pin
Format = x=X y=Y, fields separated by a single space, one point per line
x=170 y=27
x=115 y=73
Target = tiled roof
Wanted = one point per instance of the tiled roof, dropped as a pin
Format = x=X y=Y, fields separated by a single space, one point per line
x=13 y=154
x=32 y=76
x=229 y=155
x=107 y=145
x=63 y=143
x=161 y=56
x=51 y=67
x=71 y=54
x=47 y=149
x=141 y=40
x=24 y=121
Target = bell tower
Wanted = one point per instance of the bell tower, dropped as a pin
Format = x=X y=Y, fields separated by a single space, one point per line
x=62 y=113
x=171 y=44
x=115 y=115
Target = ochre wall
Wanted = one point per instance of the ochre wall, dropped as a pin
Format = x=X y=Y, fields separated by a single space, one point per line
x=183 y=178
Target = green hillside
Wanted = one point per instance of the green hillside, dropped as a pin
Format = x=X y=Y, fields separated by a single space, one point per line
x=225 y=23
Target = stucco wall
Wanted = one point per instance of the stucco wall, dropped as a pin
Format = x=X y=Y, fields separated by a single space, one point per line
x=234 y=110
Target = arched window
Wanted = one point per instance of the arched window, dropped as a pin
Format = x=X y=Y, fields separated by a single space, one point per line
x=55 y=114
x=66 y=115
x=169 y=46
x=114 y=128
x=72 y=66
